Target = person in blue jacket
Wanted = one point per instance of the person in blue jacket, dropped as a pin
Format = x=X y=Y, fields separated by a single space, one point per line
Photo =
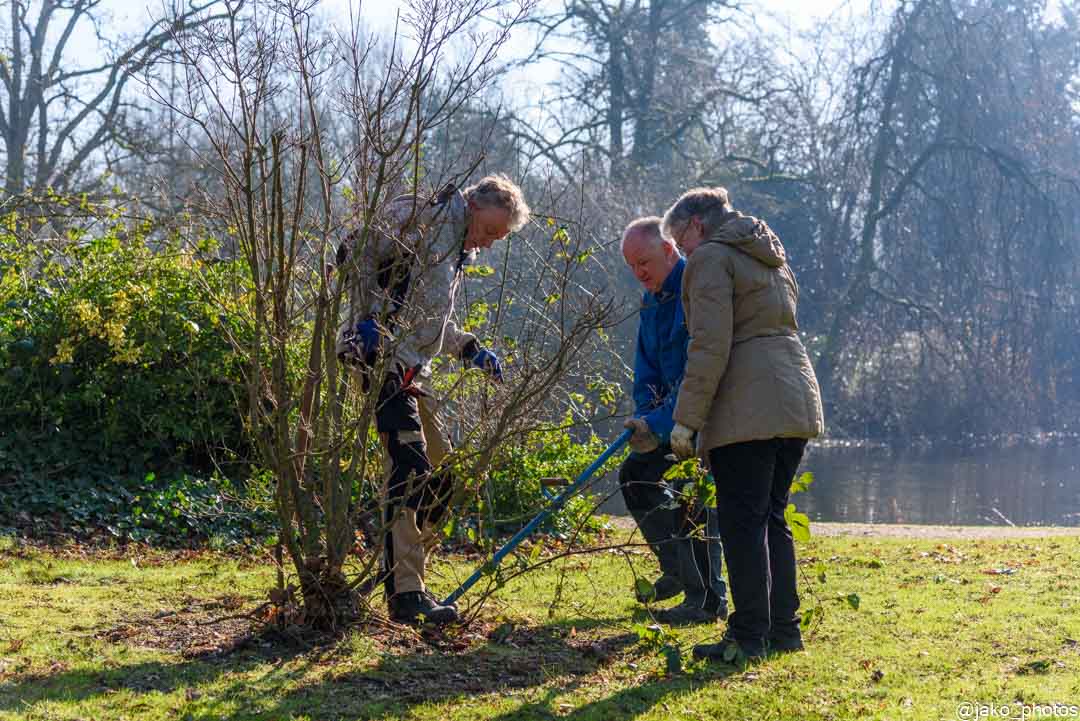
x=681 y=532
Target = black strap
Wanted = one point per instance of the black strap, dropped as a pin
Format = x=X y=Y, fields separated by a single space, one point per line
x=393 y=276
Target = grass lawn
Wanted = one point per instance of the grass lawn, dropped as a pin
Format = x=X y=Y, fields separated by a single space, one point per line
x=146 y=635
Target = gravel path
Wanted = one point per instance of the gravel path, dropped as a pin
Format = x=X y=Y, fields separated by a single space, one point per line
x=897 y=530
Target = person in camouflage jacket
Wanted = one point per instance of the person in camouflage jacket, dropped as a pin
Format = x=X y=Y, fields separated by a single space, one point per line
x=404 y=268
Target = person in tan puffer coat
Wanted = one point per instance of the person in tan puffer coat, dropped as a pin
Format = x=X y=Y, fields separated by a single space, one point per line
x=751 y=397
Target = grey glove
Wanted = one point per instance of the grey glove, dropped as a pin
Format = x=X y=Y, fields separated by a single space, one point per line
x=682 y=441
x=643 y=440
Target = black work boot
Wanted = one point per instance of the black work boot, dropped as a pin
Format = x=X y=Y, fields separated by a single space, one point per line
x=415 y=607
x=728 y=652
x=694 y=610
x=437 y=602
x=785 y=642
x=661 y=589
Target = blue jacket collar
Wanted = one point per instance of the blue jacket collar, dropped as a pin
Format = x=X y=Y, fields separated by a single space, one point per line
x=672 y=284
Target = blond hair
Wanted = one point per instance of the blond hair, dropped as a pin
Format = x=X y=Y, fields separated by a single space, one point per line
x=710 y=205
x=498 y=191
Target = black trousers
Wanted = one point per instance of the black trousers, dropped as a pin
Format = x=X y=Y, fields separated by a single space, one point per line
x=753 y=484
x=412 y=479
x=684 y=537
x=417 y=495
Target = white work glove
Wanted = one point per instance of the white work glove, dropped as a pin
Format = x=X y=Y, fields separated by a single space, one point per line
x=643 y=440
x=682 y=441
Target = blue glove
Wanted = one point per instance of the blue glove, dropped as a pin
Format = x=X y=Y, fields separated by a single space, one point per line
x=367 y=332
x=488 y=361
x=364 y=341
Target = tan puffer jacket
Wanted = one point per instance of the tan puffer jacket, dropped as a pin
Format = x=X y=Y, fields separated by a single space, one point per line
x=748 y=376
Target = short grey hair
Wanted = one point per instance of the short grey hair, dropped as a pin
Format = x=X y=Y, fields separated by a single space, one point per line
x=649 y=227
x=708 y=204
x=498 y=191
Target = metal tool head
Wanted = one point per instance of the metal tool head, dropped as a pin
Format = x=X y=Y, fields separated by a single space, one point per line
x=555 y=481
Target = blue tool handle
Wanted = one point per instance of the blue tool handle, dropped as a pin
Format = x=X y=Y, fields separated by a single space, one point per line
x=542 y=516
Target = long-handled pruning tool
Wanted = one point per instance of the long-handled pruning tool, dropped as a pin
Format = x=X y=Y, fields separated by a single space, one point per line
x=532 y=525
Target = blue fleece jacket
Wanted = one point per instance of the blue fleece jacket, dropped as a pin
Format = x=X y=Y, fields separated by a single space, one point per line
x=661 y=354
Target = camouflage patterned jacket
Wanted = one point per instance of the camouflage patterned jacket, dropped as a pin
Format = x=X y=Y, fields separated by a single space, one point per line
x=406 y=275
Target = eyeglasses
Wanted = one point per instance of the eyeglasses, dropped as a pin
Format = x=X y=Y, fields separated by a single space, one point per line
x=678 y=237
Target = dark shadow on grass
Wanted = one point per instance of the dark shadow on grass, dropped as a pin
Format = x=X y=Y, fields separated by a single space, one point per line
x=627 y=703
x=526 y=657
x=82 y=684
x=561 y=656
x=256 y=680
x=624 y=705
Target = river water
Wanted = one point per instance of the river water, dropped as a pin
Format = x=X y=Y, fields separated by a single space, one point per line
x=1024 y=484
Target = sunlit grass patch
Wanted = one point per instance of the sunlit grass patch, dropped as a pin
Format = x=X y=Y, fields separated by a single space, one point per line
x=938 y=623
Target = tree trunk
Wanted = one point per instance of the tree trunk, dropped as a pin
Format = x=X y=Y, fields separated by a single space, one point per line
x=617 y=90
x=852 y=303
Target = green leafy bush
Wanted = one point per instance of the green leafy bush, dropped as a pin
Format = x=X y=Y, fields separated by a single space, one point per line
x=181 y=510
x=512 y=494
x=116 y=356
x=120 y=394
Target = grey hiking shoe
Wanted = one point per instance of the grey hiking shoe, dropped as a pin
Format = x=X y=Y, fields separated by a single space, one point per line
x=414 y=607
x=662 y=589
x=689 y=613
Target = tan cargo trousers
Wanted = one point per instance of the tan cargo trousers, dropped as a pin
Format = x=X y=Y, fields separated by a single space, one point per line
x=409 y=544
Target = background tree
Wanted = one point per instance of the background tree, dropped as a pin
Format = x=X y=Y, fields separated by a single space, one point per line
x=639 y=80
x=60 y=116
x=961 y=237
